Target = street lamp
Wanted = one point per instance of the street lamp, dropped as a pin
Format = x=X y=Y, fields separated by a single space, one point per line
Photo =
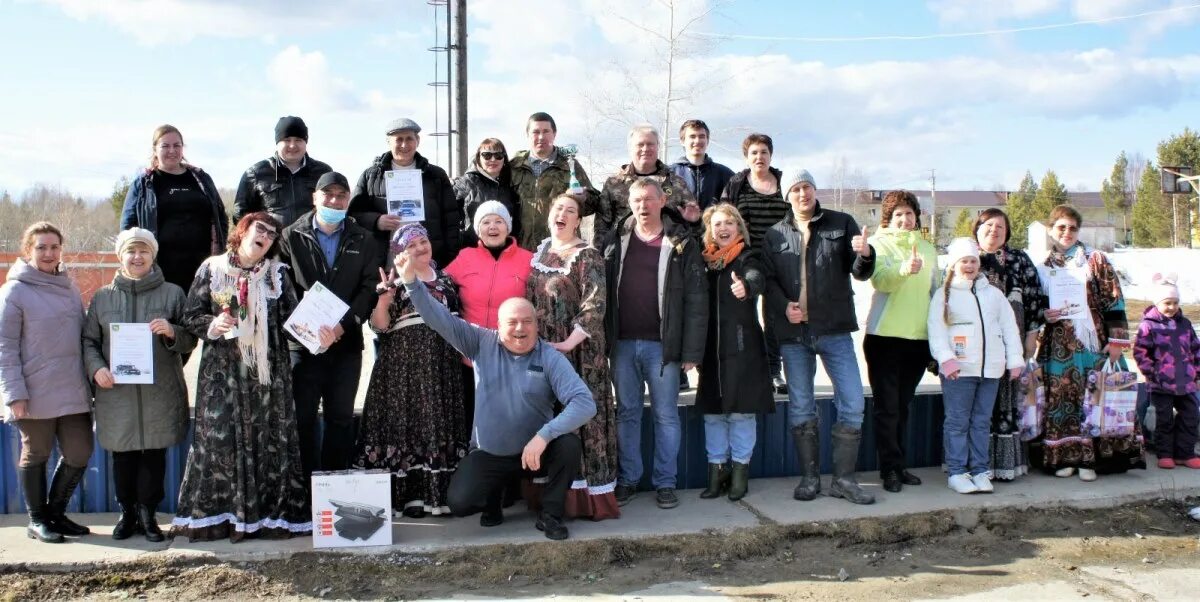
x=1175 y=180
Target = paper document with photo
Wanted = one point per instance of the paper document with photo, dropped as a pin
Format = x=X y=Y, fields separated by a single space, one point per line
x=131 y=353
x=1068 y=290
x=319 y=307
x=405 y=196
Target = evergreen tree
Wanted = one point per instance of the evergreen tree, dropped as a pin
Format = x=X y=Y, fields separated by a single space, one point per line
x=963 y=224
x=1181 y=150
x=1051 y=193
x=1151 y=214
x=117 y=199
x=1117 y=192
x=1018 y=208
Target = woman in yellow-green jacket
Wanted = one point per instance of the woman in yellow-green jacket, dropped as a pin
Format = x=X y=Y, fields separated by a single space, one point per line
x=896 y=345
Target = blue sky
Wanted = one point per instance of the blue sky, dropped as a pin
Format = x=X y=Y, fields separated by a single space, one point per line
x=86 y=82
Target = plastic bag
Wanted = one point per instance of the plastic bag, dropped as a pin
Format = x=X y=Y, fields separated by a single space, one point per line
x=1110 y=402
x=1033 y=402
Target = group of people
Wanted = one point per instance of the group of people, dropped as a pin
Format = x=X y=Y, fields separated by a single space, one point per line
x=513 y=356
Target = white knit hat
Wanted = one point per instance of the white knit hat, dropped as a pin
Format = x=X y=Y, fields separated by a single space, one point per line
x=491 y=208
x=1165 y=287
x=135 y=235
x=959 y=248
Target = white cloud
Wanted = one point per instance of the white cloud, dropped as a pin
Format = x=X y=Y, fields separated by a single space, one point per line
x=306 y=83
x=971 y=12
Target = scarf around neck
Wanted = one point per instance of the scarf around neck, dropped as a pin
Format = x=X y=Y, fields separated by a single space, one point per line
x=717 y=258
x=1077 y=258
x=248 y=291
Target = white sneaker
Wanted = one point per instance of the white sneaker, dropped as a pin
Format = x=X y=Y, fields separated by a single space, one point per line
x=1087 y=474
x=982 y=483
x=962 y=483
x=1065 y=472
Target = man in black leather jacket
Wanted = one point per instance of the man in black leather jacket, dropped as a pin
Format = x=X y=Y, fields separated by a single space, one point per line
x=283 y=184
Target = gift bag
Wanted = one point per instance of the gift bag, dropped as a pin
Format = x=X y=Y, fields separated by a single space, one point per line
x=1110 y=402
x=1033 y=402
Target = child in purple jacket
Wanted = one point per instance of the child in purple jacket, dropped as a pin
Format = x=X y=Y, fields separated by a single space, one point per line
x=1168 y=353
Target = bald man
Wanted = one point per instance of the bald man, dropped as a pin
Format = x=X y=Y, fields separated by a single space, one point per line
x=518 y=379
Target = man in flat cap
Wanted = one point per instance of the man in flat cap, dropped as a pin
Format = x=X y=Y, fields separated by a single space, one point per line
x=324 y=246
x=283 y=184
x=443 y=215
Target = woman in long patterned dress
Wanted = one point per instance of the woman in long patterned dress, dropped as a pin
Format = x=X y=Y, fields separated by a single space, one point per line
x=1011 y=271
x=412 y=422
x=243 y=476
x=567 y=287
x=1074 y=343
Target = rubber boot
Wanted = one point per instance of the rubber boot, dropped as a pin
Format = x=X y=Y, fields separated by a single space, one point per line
x=66 y=479
x=128 y=525
x=718 y=481
x=149 y=523
x=845 y=460
x=33 y=483
x=808 y=454
x=739 y=481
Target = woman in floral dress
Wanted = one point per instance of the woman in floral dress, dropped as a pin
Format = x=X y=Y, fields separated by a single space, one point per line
x=1011 y=271
x=412 y=423
x=567 y=287
x=1075 y=343
x=243 y=476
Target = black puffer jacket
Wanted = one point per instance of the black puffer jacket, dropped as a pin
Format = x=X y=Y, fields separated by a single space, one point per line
x=683 y=299
x=352 y=278
x=443 y=216
x=734 y=377
x=474 y=188
x=829 y=263
x=270 y=186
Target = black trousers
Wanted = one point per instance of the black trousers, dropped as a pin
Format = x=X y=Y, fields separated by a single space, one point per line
x=328 y=381
x=774 y=359
x=894 y=369
x=138 y=476
x=1175 y=425
x=480 y=478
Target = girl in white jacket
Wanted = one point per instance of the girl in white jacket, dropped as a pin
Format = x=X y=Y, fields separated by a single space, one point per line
x=973 y=336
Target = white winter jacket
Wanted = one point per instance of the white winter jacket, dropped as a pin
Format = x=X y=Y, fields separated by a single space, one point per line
x=981 y=330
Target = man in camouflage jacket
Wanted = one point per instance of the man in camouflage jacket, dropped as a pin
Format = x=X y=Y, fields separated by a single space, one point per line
x=542 y=173
x=643 y=163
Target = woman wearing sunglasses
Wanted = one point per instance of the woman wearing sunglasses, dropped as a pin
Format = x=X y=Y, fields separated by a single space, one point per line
x=178 y=203
x=488 y=179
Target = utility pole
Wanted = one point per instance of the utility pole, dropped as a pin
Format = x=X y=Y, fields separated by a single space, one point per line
x=460 y=85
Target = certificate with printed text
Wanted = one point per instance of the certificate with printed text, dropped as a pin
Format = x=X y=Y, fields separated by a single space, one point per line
x=131 y=353
x=405 y=196
x=319 y=307
x=1068 y=291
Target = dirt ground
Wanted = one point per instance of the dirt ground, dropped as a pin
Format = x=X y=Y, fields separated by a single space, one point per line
x=929 y=555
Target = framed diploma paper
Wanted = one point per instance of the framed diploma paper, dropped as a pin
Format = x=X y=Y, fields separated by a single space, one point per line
x=405 y=196
x=1068 y=290
x=319 y=307
x=131 y=353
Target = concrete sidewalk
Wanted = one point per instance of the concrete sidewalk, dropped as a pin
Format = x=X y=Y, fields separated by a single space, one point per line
x=769 y=502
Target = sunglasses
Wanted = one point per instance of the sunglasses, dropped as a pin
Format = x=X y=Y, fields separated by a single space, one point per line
x=261 y=229
x=489 y=155
x=1066 y=228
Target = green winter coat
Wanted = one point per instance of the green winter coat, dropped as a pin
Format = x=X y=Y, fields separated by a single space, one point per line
x=536 y=193
x=136 y=417
x=900 y=304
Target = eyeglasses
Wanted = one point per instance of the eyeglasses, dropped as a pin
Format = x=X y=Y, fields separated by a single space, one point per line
x=261 y=229
x=489 y=155
x=1066 y=228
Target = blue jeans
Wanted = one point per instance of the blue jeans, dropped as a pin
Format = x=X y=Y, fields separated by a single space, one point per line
x=966 y=433
x=841 y=363
x=730 y=435
x=634 y=363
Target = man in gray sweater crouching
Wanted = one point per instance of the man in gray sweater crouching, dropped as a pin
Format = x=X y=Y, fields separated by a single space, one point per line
x=518 y=378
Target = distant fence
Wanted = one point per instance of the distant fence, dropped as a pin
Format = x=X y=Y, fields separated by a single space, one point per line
x=90 y=271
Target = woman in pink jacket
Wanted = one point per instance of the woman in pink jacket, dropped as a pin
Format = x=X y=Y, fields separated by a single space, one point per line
x=41 y=379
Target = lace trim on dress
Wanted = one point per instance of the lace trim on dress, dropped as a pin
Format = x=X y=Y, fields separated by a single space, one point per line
x=543 y=248
x=242 y=527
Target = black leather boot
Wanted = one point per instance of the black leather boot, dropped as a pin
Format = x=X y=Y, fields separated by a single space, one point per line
x=128 y=525
x=149 y=523
x=845 y=460
x=33 y=483
x=808 y=454
x=739 y=481
x=718 y=481
x=66 y=479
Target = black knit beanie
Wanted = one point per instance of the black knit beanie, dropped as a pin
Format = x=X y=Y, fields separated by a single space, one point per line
x=291 y=126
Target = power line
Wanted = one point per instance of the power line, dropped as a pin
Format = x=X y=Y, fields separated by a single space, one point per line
x=938 y=36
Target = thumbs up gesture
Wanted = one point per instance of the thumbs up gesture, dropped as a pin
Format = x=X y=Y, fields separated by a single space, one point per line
x=859 y=243
x=914 y=263
x=738 y=288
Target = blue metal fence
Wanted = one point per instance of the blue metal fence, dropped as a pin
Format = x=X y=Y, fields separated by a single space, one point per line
x=774 y=455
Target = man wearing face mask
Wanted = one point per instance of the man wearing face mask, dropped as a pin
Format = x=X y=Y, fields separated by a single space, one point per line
x=325 y=246
x=283 y=184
